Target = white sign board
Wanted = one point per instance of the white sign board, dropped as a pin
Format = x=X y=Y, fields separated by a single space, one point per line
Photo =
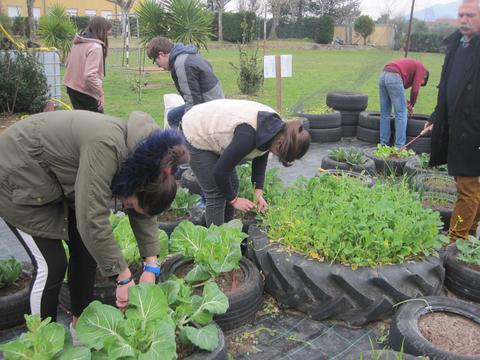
x=269 y=66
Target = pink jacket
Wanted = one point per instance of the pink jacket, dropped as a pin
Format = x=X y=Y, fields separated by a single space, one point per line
x=85 y=68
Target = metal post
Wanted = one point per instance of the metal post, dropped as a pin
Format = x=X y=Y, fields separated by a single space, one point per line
x=265 y=29
x=407 y=45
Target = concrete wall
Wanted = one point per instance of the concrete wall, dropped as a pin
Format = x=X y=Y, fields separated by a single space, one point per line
x=383 y=36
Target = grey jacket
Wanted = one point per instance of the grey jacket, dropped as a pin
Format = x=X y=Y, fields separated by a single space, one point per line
x=193 y=76
x=53 y=160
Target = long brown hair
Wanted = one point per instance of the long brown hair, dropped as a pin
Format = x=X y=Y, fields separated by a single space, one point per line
x=294 y=142
x=159 y=194
x=100 y=27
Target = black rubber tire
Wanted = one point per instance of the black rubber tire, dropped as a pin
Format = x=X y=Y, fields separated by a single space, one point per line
x=323 y=121
x=189 y=181
x=366 y=179
x=333 y=291
x=325 y=135
x=418 y=182
x=445 y=213
x=421 y=145
x=350 y=117
x=220 y=353
x=380 y=355
x=329 y=163
x=387 y=166
x=14 y=306
x=461 y=279
x=347 y=100
x=369 y=120
x=416 y=123
x=404 y=328
x=244 y=302
x=368 y=135
x=180 y=170
x=195 y=215
x=412 y=168
x=349 y=131
x=306 y=123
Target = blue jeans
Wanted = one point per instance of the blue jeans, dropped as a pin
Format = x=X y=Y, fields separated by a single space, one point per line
x=174 y=116
x=391 y=91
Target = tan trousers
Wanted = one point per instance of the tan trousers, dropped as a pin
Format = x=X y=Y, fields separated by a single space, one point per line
x=466 y=213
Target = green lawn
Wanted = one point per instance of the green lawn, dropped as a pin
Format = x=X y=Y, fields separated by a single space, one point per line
x=315 y=73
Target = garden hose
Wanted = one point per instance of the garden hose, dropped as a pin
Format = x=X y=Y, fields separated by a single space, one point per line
x=21 y=46
x=64 y=104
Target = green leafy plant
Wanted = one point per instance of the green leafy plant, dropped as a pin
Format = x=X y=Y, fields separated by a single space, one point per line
x=469 y=250
x=123 y=234
x=152 y=19
x=250 y=68
x=338 y=219
x=272 y=187
x=24 y=86
x=147 y=329
x=350 y=156
x=214 y=250
x=189 y=22
x=386 y=152
x=10 y=271
x=438 y=199
x=424 y=159
x=183 y=202
x=56 y=30
x=44 y=340
x=317 y=109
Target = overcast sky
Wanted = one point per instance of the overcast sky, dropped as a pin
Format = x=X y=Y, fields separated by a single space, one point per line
x=398 y=7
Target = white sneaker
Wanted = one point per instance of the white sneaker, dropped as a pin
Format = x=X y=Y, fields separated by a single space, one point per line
x=75 y=340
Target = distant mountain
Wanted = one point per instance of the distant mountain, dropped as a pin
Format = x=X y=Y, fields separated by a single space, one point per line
x=440 y=11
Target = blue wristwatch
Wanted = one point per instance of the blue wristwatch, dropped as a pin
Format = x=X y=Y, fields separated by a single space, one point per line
x=152 y=269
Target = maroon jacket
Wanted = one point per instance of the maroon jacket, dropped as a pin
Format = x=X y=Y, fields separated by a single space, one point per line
x=412 y=72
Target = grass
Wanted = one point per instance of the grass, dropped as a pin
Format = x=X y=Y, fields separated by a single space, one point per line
x=316 y=71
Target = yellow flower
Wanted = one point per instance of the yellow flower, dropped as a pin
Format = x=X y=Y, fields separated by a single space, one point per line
x=385 y=242
x=314 y=255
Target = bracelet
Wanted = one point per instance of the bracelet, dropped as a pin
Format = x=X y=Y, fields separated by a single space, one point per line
x=153 y=269
x=124 y=281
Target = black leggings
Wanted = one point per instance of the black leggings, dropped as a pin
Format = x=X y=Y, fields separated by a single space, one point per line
x=81 y=101
x=50 y=262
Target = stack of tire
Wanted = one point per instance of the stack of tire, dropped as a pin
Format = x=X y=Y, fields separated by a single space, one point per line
x=368 y=130
x=324 y=127
x=350 y=104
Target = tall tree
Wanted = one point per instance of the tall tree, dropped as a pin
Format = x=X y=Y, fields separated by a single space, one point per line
x=343 y=11
x=365 y=26
x=220 y=7
x=276 y=9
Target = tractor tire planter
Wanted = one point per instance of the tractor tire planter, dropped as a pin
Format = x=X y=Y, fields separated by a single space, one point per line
x=349 y=131
x=325 y=135
x=189 y=181
x=460 y=278
x=434 y=182
x=371 y=120
x=380 y=355
x=405 y=330
x=413 y=167
x=244 y=302
x=323 y=121
x=15 y=300
x=103 y=289
x=367 y=180
x=333 y=291
x=220 y=353
x=368 y=167
x=442 y=203
x=347 y=100
x=387 y=166
x=195 y=215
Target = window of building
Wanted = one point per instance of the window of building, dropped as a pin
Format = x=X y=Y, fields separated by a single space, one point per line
x=72 y=12
x=90 y=13
x=36 y=13
x=107 y=14
x=14 y=11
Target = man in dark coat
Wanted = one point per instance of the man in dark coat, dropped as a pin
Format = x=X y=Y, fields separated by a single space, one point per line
x=456 y=119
